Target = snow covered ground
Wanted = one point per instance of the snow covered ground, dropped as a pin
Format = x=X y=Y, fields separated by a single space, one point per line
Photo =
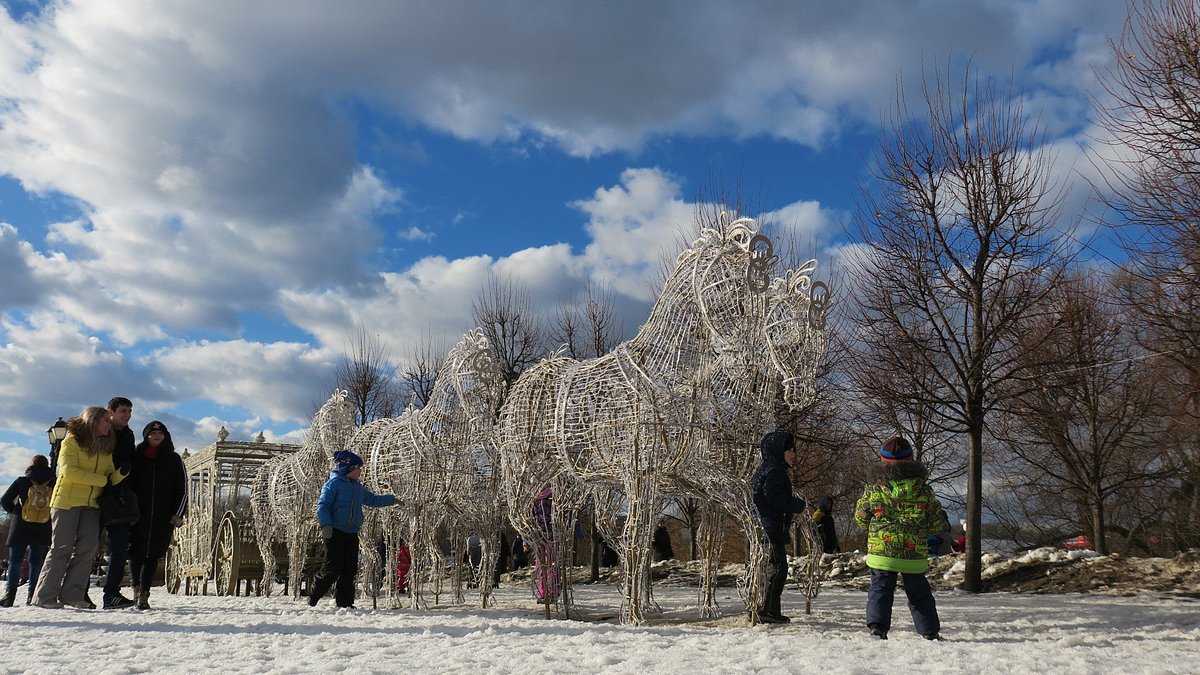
x=989 y=633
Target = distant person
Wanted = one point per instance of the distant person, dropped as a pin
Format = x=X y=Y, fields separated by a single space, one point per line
x=28 y=502
x=662 y=542
x=520 y=553
x=823 y=523
x=543 y=561
x=403 y=565
x=120 y=410
x=772 y=492
x=160 y=481
x=899 y=511
x=340 y=515
x=474 y=559
x=85 y=466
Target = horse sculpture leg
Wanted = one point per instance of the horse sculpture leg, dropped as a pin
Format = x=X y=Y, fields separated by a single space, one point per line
x=710 y=537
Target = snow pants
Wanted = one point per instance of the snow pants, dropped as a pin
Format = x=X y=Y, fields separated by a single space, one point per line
x=920 y=601
x=341 y=566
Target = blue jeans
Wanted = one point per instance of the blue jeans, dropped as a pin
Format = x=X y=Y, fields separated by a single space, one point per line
x=16 y=554
x=920 y=601
x=118 y=549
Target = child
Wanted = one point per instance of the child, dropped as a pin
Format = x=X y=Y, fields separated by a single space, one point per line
x=899 y=510
x=340 y=514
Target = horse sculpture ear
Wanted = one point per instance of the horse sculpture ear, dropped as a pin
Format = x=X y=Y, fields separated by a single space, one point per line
x=762 y=260
x=818 y=303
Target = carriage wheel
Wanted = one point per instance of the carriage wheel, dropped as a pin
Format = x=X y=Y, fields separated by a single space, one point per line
x=171 y=568
x=228 y=556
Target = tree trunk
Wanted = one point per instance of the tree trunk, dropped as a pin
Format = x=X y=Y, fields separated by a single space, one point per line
x=973 y=574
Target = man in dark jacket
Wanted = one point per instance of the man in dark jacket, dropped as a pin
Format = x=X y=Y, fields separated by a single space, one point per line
x=24 y=535
x=120 y=409
x=823 y=522
x=772 y=491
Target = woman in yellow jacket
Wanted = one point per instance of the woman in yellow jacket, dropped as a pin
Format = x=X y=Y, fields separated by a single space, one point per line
x=85 y=466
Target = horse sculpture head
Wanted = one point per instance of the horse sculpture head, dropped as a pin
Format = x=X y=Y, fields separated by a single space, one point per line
x=796 y=331
x=333 y=424
x=473 y=382
x=732 y=276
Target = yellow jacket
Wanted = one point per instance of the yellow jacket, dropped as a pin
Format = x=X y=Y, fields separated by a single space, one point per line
x=81 y=477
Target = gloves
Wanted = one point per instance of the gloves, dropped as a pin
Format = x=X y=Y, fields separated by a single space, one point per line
x=124 y=469
x=327 y=532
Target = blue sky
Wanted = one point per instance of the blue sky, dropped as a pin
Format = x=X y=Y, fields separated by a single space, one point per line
x=199 y=199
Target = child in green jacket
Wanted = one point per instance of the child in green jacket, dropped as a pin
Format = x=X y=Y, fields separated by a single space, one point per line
x=899 y=511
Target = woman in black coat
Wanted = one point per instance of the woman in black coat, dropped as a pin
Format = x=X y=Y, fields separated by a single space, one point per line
x=23 y=535
x=160 y=481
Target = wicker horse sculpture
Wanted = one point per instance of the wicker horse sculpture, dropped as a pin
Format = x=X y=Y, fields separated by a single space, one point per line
x=439 y=462
x=622 y=426
x=284 y=496
x=745 y=390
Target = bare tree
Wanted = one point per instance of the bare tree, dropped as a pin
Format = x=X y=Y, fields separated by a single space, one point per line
x=1087 y=427
x=420 y=375
x=367 y=375
x=502 y=310
x=961 y=250
x=1155 y=118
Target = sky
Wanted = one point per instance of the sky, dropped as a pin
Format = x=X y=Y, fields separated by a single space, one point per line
x=200 y=201
x=983 y=633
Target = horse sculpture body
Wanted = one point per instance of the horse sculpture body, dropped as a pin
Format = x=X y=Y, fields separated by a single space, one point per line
x=285 y=491
x=439 y=462
x=635 y=424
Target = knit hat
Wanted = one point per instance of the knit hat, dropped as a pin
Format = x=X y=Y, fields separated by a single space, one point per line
x=895 y=448
x=345 y=461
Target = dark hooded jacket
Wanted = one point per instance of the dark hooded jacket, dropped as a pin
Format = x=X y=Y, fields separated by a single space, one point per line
x=20 y=532
x=772 y=488
x=899 y=511
x=160 y=482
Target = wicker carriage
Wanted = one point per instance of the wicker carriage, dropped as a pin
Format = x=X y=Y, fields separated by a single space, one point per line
x=217 y=542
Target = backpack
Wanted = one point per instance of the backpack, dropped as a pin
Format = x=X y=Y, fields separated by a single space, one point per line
x=36 y=506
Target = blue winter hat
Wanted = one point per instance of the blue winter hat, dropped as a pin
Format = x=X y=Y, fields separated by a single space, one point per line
x=345 y=461
x=895 y=448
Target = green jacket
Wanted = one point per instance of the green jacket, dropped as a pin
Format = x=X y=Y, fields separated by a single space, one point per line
x=81 y=476
x=899 y=511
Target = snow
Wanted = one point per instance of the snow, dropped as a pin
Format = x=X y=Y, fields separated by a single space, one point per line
x=986 y=633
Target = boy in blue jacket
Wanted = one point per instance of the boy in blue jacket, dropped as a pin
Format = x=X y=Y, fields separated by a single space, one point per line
x=340 y=515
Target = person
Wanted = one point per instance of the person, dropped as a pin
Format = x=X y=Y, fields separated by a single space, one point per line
x=160 y=482
x=474 y=559
x=85 y=467
x=340 y=515
x=24 y=535
x=520 y=553
x=662 y=542
x=823 y=523
x=772 y=492
x=403 y=564
x=960 y=539
x=120 y=409
x=543 y=560
x=898 y=510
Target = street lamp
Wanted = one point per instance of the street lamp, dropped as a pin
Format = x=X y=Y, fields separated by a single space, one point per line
x=56 y=433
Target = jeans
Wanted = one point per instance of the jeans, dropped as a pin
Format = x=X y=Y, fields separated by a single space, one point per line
x=920 y=601
x=16 y=554
x=118 y=548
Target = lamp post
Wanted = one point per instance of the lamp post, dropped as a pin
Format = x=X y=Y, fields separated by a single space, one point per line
x=56 y=433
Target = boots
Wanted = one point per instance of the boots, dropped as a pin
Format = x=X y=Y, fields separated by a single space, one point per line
x=143 y=598
x=9 y=596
